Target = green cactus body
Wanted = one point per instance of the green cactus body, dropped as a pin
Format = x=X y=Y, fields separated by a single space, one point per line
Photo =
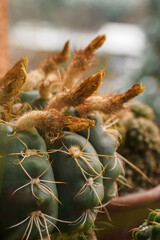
x=77 y=235
x=77 y=221
x=27 y=187
x=149 y=230
x=141 y=146
x=105 y=145
x=29 y=96
x=155 y=233
x=140 y=109
x=39 y=103
x=143 y=233
x=82 y=173
x=152 y=216
x=33 y=98
x=142 y=134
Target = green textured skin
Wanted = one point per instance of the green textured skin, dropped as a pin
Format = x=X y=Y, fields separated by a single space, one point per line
x=140 y=109
x=155 y=233
x=142 y=135
x=15 y=208
x=151 y=217
x=157 y=219
x=141 y=146
x=66 y=170
x=105 y=145
x=83 y=225
x=149 y=230
x=29 y=96
x=143 y=234
x=77 y=235
x=39 y=103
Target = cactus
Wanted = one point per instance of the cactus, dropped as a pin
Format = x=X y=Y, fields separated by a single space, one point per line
x=141 y=110
x=140 y=144
x=150 y=229
x=52 y=179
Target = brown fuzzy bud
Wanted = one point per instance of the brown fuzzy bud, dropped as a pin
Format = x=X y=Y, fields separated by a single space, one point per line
x=47 y=85
x=110 y=104
x=11 y=83
x=77 y=95
x=81 y=62
x=51 y=122
x=48 y=66
x=51 y=64
x=64 y=55
x=33 y=79
x=95 y=44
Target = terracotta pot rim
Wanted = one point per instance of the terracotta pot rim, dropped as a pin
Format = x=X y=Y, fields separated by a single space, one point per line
x=135 y=199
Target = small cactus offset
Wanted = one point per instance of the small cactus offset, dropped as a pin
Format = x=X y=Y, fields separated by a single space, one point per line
x=58 y=161
x=150 y=229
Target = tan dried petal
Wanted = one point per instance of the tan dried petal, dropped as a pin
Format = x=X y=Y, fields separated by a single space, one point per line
x=48 y=66
x=51 y=122
x=47 y=85
x=77 y=95
x=109 y=105
x=95 y=44
x=64 y=55
x=81 y=62
x=12 y=82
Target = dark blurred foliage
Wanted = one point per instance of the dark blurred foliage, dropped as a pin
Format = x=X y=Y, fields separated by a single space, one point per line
x=149 y=71
x=151 y=26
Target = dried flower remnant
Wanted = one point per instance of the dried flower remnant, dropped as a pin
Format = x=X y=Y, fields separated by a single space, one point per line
x=51 y=122
x=48 y=66
x=109 y=104
x=12 y=82
x=81 y=62
x=47 y=85
x=52 y=63
x=77 y=95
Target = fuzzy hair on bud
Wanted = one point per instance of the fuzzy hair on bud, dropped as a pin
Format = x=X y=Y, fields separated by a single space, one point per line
x=81 y=62
x=77 y=95
x=33 y=79
x=51 y=122
x=64 y=55
x=109 y=104
x=51 y=64
x=95 y=44
x=47 y=84
x=48 y=66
